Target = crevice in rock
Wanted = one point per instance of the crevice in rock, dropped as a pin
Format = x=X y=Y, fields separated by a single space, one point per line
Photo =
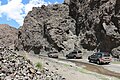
x=73 y=8
x=115 y=21
x=94 y=4
x=117 y=7
x=50 y=40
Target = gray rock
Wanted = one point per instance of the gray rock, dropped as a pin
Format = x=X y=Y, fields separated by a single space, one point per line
x=116 y=52
x=24 y=69
x=100 y=19
x=49 y=30
x=76 y=24
x=67 y=2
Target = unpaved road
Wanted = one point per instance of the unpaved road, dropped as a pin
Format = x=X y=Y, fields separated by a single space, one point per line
x=115 y=67
x=100 y=69
x=112 y=67
x=95 y=68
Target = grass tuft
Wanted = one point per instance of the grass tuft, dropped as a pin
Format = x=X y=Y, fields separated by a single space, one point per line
x=39 y=65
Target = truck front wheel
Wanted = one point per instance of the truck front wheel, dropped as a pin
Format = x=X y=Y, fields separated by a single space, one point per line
x=98 y=62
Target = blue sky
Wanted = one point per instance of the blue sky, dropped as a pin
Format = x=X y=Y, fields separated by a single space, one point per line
x=12 y=12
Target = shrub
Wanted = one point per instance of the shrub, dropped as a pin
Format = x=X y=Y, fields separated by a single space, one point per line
x=38 y=65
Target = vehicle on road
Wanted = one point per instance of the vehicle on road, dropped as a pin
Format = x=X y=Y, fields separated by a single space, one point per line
x=53 y=54
x=100 y=57
x=74 y=54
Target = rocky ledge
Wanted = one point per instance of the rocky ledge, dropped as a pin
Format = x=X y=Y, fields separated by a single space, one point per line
x=15 y=67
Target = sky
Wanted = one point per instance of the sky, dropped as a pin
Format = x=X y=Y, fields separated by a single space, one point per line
x=13 y=12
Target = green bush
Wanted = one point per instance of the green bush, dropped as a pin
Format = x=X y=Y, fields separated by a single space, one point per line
x=39 y=65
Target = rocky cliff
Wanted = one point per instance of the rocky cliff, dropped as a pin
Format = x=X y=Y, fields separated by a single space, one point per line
x=47 y=28
x=90 y=24
x=98 y=22
x=7 y=35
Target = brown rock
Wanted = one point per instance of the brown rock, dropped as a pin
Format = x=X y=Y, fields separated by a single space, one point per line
x=7 y=35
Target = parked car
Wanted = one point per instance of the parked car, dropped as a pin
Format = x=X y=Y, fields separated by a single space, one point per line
x=100 y=57
x=74 y=54
x=53 y=54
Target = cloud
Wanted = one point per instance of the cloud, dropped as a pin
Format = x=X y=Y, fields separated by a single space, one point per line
x=16 y=10
x=13 y=10
x=0 y=3
x=34 y=3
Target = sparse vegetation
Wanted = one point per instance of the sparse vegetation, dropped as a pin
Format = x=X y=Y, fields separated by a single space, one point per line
x=39 y=65
x=66 y=65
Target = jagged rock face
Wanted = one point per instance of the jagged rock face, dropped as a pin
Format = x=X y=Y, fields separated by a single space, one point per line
x=94 y=24
x=116 y=52
x=7 y=35
x=47 y=28
x=98 y=22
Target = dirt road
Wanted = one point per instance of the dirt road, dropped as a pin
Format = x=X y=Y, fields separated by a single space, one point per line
x=100 y=69
x=96 y=68
x=109 y=70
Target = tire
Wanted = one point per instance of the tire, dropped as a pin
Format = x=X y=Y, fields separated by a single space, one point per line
x=80 y=57
x=90 y=60
x=67 y=57
x=98 y=62
x=75 y=57
x=108 y=63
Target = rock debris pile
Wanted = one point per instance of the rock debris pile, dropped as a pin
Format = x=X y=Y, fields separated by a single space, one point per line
x=15 y=67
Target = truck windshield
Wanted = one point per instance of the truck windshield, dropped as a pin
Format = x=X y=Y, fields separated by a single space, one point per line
x=106 y=55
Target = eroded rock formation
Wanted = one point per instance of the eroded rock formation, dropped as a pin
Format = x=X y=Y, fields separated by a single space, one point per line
x=92 y=24
x=47 y=28
x=98 y=22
